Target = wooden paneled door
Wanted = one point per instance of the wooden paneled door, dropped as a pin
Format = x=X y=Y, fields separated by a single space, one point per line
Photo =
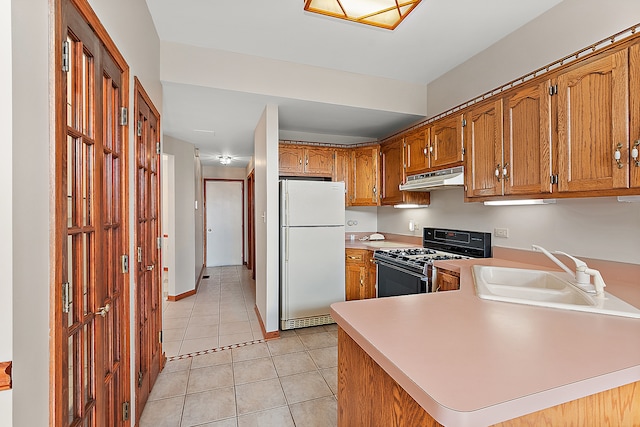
x=90 y=299
x=147 y=267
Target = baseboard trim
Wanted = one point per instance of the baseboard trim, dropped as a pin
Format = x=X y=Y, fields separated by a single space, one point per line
x=181 y=296
x=267 y=335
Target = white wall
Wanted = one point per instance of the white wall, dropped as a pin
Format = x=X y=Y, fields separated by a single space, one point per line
x=365 y=216
x=6 y=217
x=168 y=224
x=199 y=218
x=31 y=211
x=185 y=213
x=594 y=228
x=193 y=65
x=267 y=219
x=562 y=30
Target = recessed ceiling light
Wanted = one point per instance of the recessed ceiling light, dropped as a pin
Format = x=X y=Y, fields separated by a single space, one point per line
x=379 y=13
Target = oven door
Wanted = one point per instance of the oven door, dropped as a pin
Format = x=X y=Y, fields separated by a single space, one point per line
x=394 y=280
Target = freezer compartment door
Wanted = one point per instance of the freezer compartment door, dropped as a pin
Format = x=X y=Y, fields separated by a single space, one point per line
x=312 y=203
x=312 y=271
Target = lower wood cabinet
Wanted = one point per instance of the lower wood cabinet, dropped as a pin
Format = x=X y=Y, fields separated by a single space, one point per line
x=446 y=280
x=360 y=274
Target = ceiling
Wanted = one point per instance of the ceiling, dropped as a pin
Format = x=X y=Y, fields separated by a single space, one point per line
x=436 y=37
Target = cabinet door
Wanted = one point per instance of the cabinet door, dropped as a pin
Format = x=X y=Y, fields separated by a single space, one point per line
x=446 y=142
x=634 y=92
x=354 y=281
x=290 y=159
x=341 y=163
x=364 y=185
x=391 y=171
x=318 y=161
x=484 y=144
x=372 y=277
x=592 y=124
x=417 y=151
x=447 y=281
x=527 y=140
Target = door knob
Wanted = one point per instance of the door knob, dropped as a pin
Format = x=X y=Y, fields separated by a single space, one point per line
x=102 y=311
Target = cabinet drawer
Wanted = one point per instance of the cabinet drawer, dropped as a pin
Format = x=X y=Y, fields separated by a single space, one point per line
x=352 y=256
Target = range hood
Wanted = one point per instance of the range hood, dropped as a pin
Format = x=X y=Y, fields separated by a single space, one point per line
x=445 y=178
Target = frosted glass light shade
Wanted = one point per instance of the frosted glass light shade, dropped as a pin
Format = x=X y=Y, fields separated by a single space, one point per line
x=379 y=13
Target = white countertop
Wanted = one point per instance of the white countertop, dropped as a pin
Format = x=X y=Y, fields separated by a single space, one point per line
x=470 y=362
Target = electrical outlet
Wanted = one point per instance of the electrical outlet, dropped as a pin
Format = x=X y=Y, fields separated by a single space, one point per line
x=501 y=232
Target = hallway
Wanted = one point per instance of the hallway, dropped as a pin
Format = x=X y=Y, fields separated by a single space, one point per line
x=221 y=373
x=220 y=314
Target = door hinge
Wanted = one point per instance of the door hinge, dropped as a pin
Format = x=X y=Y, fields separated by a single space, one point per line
x=65 y=56
x=66 y=303
x=553 y=90
x=159 y=241
x=464 y=122
x=139 y=128
x=125 y=411
x=124 y=116
x=160 y=337
x=554 y=179
x=157 y=148
x=140 y=378
x=125 y=263
x=139 y=254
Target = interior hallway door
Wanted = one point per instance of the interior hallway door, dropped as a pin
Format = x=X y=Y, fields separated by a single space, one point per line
x=224 y=222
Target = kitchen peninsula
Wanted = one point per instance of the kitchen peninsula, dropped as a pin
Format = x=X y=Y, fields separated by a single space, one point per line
x=452 y=359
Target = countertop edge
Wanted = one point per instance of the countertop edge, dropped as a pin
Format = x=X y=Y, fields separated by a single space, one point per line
x=499 y=412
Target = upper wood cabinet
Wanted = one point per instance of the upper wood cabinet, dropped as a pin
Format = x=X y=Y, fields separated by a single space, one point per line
x=593 y=115
x=527 y=140
x=341 y=169
x=290 y=159
x=392 y=175
x=391 y=171
x=416 y=145
x=364 y=186
x=301 y=160
x=446 y=144
x=483 y=134
x=508 y=144
x=319 y=161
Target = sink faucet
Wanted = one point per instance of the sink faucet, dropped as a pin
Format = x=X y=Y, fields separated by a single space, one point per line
x=582 y=274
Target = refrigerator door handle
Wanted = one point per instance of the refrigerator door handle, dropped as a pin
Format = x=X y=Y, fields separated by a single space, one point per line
x=286 y=210
x=286 y=244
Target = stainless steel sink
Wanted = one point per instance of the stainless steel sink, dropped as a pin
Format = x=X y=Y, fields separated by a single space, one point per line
x=546 y=289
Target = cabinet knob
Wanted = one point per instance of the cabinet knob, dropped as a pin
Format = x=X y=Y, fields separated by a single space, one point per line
x=498 y=177
x=617 y=156
x=505 y=172
x=634 y=153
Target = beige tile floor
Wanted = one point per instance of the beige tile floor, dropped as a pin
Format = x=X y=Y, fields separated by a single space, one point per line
x=220 y=314
x=291 y=381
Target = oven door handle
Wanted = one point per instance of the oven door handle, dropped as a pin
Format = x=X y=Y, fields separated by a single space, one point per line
x=395 y=267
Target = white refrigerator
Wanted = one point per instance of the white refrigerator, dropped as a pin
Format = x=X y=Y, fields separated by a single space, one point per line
x=311 y=251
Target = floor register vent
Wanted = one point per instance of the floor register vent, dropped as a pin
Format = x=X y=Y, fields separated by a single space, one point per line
x=306 y=322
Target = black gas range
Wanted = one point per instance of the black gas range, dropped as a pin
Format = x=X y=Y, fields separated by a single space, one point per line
x=410 y=270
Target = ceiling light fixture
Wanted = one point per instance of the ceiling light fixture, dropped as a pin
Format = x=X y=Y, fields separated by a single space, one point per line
x=224 y=160
x=386 y=14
